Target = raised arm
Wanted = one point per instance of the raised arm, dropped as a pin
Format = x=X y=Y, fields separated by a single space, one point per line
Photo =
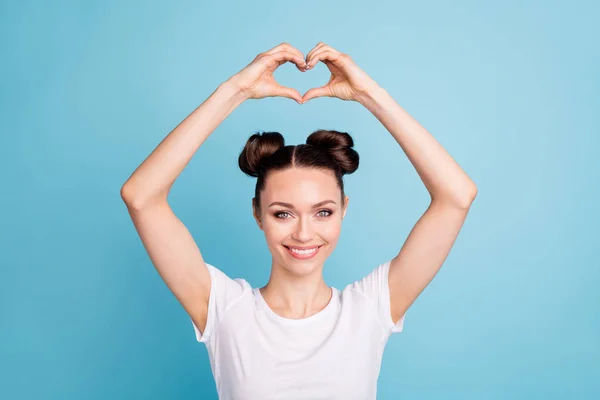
x=451 y=190
x=168 y=242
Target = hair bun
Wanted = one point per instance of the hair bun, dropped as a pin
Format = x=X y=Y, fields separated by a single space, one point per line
x=339 y=145
x=257 y=149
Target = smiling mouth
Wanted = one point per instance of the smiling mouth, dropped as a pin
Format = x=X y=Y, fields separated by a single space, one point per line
x=302 y=248
x=303 y=253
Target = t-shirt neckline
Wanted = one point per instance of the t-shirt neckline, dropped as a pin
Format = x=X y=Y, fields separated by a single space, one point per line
x=292 y=321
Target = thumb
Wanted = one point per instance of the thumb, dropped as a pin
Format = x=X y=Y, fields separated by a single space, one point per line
x=289 y=93
x=322 y=91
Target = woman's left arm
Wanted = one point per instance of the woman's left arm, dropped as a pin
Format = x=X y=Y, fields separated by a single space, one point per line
x=451 y=191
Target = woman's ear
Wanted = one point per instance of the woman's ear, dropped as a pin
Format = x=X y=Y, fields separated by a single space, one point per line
x=256 y=214
x=346 y=200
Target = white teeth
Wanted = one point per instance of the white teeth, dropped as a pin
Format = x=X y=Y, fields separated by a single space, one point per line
x=304 y=251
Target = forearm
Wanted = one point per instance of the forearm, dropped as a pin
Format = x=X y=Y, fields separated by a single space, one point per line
x=153 y=179
x=444 y=179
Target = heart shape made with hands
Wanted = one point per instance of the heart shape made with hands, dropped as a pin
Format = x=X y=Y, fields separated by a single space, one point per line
x=294 y=94
x=321 y=88
x=346 y=82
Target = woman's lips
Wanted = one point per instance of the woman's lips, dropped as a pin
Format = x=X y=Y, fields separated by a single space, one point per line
x=303 y=255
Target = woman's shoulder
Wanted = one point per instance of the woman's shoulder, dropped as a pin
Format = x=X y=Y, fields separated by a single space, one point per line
x=227 y=282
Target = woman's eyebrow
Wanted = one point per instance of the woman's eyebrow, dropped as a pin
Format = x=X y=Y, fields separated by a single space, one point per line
x=288 y=205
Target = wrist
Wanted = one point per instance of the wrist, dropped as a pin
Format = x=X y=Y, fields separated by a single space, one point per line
x=371 y=96
x=232 y=87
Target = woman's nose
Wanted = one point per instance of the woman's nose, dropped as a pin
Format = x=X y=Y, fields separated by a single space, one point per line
x=304 y=231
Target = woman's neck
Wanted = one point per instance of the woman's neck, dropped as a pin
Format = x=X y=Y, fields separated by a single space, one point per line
x=295 y=297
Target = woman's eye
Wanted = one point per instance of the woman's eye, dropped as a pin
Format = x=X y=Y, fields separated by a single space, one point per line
x=278 y=215
x=285 y=214
x=328 y=213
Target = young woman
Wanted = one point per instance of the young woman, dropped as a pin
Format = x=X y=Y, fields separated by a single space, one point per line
x=296 y=337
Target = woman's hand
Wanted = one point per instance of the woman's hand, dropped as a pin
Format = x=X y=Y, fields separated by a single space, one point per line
x=347 y=82
x=256 y=80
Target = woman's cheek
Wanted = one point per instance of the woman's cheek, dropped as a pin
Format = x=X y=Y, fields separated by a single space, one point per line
x=333 y=228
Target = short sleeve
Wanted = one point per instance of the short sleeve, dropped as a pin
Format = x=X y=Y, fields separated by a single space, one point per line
x=224 y=292
x=375 y=286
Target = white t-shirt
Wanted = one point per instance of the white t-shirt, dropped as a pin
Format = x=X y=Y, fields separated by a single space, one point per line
x=336 y=353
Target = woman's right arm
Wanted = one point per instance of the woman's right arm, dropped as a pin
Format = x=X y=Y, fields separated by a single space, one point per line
x=166 y=239
x=168 y=242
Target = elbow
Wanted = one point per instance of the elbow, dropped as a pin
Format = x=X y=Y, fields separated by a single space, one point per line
x=458 y=199
x=137 y=201
x=467 y=197
x=127 y=195
x=130 y=198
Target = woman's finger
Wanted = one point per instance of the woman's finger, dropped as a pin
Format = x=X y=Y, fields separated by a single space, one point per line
x=284 y=56
x=289 y=93
x=286 y=47
x=324 y=55
x=323 y=91
x=282 y=46
x=317 y=47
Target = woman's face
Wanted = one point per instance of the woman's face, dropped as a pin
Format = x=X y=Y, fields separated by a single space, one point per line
x=311 y=218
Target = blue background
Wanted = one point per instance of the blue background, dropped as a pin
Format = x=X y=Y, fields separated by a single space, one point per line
x=510 y=89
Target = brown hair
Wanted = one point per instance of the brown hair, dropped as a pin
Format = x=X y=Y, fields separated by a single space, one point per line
x=324 y=149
